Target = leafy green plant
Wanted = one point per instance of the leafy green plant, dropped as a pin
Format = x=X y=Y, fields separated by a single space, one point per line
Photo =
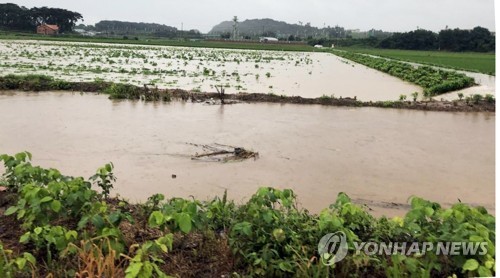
x=44 y=194
x=489 y=98
x=122 y=91
x=460 y=96
x=104 y=179
x=153 y=203
x=268 y=231
x=179 y=215
x=477 y=98
x=415 y=96
x=11 y=266
x=51 y=239
x=145 y=262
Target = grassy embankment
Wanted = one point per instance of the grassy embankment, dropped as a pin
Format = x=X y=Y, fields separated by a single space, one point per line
x=72 y=227
x=469 y=61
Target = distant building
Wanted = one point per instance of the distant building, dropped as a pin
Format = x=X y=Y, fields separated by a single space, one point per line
x=47 y=29
x=268 y=39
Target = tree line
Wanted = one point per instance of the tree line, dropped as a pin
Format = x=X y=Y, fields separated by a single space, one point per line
x=478 y=39
x=115 y=27
x=20 y=18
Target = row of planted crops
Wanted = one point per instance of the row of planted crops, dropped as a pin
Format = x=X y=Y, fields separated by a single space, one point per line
x=434 y=81
x=69 y=226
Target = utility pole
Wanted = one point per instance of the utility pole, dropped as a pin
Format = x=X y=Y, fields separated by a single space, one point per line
x=235 y=27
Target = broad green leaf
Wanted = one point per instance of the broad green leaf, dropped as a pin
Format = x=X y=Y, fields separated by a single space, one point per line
x=46 y=199
x=55 y=205
x=30 y=258
x=484 y=272
x=475 y=238
x=286 y=266
x=21 y=262
x=25 y=238
x=71 y=234
x=156 y=219
x=98 y=221
x=184 y=221
x=10 y=211
x=470 y=265
x=268 y=216
x=489 y=264
x=429 y=211
x=38 y=230
x=133 y=270
x=459 y=216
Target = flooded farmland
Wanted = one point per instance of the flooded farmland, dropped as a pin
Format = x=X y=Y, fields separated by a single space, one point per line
x=197 y=69
x=378 y=156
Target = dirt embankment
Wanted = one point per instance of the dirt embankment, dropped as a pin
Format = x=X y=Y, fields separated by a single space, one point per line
x=148 y=93
x=431 y=105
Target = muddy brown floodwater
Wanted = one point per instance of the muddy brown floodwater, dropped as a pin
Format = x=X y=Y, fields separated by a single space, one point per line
x=379 y=157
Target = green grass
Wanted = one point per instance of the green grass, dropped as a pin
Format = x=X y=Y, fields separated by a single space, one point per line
x=477 y=62
x=160 y=41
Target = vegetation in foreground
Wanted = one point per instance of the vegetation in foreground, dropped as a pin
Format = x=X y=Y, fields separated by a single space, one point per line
x=468 y=61
x=433 y=81
x=59 y=225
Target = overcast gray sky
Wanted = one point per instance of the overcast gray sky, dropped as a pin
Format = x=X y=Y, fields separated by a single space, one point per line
x=388 y=15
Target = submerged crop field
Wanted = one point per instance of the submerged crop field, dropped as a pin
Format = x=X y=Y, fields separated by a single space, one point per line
x=303 y=74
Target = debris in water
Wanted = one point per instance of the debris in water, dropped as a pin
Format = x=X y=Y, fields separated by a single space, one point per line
x=223 y=153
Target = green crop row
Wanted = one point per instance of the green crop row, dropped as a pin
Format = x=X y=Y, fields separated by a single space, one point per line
x=34 y=82
x=434 y=81
x=72 y=227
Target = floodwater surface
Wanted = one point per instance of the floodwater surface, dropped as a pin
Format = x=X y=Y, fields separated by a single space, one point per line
x=379 y=157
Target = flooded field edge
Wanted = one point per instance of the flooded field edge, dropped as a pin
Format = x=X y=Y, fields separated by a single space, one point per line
x=148 y=93
x=330 y=144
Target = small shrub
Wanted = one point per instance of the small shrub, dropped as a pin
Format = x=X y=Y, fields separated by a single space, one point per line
x=477 y=98
x=489 y=98
x=415 y=96
x=122 y=91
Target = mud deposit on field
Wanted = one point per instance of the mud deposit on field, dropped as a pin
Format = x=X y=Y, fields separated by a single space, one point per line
x=379 y=157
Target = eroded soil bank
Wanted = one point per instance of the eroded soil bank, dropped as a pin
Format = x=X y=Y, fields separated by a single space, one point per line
x=149 y=93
